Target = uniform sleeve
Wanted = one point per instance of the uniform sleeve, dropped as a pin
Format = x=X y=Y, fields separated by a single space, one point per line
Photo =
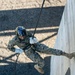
x=29 y=34
x=11 y=44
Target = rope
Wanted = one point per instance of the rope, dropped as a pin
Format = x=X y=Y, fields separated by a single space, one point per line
x=16 y=63
x=39 y=17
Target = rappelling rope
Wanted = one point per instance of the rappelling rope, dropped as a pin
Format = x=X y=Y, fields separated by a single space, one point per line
x=39 y=17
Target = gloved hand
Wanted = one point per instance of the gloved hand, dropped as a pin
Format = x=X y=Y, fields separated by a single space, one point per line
x=33 y=40
x=18 y=51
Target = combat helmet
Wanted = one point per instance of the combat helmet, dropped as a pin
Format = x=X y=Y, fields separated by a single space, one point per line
x=20 y=31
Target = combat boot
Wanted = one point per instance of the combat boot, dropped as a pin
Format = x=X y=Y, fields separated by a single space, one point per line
x=73 y=54
x=39 y=69
x=68 y=55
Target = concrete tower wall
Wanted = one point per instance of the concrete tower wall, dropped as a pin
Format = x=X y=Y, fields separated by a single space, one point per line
x=66 y=42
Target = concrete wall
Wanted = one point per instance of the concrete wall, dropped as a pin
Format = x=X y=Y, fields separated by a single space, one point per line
x=66 y=42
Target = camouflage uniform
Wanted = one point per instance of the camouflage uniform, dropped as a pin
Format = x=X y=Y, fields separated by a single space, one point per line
x=31 y=50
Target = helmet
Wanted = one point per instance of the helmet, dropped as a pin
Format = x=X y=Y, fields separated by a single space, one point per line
x=20 y=31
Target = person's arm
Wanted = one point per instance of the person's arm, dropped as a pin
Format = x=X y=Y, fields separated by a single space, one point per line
x=11 y=44
x=29 y=34
x=32 y=39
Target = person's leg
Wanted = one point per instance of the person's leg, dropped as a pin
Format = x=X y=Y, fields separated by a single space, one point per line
x=35 y=57
x=45 y=49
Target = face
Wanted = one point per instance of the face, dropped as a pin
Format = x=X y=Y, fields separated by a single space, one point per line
x=22 y=37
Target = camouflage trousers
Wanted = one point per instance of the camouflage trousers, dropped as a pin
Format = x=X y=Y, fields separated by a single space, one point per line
x=36 y=58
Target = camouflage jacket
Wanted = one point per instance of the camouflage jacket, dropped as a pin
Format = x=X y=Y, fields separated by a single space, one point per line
x=20 y=43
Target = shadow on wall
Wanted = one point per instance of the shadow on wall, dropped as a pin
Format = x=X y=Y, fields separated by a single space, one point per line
x=21 y=68
x=10 y=19
x=68 y=72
